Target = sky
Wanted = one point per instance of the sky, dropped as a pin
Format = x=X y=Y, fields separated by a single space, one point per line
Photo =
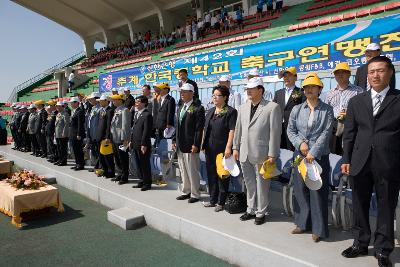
x=30 y=44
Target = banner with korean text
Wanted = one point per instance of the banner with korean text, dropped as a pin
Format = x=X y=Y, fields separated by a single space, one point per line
x=314 y=51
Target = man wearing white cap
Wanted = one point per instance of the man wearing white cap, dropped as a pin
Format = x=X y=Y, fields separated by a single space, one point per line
x=32 y=129
x=235 y=99
x=372 y=50
x=252 y=74
x=93 y=133
x=257 y=139
x=187 y=142
x=61 y=134
x=77 y=133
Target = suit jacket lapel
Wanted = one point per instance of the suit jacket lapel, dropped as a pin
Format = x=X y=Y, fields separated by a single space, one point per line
x=386 y=101
x=259 y=110
x=208 y=118
x=281 y=98
x=290 y=100
x=368 y=103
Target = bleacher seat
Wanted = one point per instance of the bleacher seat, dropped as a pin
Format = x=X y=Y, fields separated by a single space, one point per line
x=392 y=6
x=303 y=25
x=337 y=18
x=362 y=13
x=349 y=16
x=324 y=21
x=293 y=28
x=377 y=9
x=313 y=23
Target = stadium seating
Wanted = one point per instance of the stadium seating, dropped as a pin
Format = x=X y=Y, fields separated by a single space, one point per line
x=325 y=4
x=125 y=63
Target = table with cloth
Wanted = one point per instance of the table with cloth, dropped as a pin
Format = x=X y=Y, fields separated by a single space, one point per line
x=15 y=201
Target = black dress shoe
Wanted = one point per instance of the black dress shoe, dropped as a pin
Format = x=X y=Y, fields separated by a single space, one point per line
x=193 y=200
x=73 y=168
x=62 y=164
x=139 y=185
x=79 y=168
x=43 y=156
x=183 y=197
x=122 y=182
x=116 y=179
x=259 y=220
x=354 y=251
x=247 y=216
x=383 y=260
x=145 y=188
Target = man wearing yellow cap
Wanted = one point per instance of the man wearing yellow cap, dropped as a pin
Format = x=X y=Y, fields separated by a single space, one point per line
x=49 y=131
x=41 y=127
x=339 y=98
x=287 y=98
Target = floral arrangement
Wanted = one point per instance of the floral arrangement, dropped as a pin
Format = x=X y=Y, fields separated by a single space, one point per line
x=297 y=161
x=296 y=95
x=26 y=180
x=223 y=111
x=190 y=109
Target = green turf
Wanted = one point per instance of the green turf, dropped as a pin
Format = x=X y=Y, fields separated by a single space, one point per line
x=82 y=236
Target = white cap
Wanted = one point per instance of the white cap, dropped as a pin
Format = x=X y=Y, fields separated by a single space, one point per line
x=230 y=165
x=114 y=90
x=126 y=89
x=32 y=106
x=74 y=99
x=254 y=82
x=103 y=97
x=94 y=95
x=186 y=87
x=373 y=47
x=60 y=103
x=254 y=72
x=224 y=78
x=169 y=132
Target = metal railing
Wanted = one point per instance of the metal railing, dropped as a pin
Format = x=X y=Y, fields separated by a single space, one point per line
x=62 y=64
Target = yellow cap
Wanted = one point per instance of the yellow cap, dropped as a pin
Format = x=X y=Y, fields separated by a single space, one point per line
x=51 y=103
x=39 y=102
x=312 y=79
x=106 y=148
x=162 y=85
x=117 y=97
x=342 y=66
x=222 y=173
x=268 y=170
x=302 y=168
x=291 y=70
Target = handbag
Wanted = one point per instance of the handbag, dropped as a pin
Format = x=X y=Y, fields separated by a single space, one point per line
x=236 y=202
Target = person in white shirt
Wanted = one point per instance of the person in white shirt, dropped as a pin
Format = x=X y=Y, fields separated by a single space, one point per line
x=71 y=80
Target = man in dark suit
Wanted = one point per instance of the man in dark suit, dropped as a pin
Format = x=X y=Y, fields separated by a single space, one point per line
x=106 y=115
x=164 y=113
x=26 y=146
x=372 y=50
x=141 y=141
x=187 y=142
x=287 y=98
x=41 y=128
x=371 y=151
x=77 y=133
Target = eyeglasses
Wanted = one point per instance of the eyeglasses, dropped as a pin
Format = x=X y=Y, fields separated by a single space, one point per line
x=216 y=96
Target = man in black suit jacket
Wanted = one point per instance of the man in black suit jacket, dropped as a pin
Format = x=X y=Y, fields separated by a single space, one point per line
x=106 y=115
x=187 y=142
x=287 y=98
x=77 y=133
x=371 y=151
x=41 y=128
x=371 y=51
x=141 y=141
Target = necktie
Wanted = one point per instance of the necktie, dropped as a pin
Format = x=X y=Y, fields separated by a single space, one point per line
x=182 y=113
x=377 y=104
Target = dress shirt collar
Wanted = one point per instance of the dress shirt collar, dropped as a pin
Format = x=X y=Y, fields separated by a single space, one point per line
x=188 y=104
x=305 y=104
x=382 y=93
x=289 y=89
x=162 y=98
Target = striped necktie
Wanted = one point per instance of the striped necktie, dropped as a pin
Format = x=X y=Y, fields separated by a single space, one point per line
x=377 y=103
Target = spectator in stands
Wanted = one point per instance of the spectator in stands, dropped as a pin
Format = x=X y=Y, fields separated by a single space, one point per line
x=207 y=21
x=287 y=98
x=371 y=142
x=339 y=98
x=164 y=107
x=49 y=131
x=270 y=8
x=93 y=134
x=140 y=142
x=200 y=28
x=279 y=6
x=223 y=12
x=71 y=81
x=187 y=142
x=183 y=76
x=372 y=50
x=194 y=30
x=188 y=32
x=41 y=128
x=77 y=133
x=179 y=32
x=32 y=130
x=61 y=134
x=260 y=6
x=309 y=130
x=106 y=115
x=239 y=17
x=214 y=23
x=259 y=124
x=218 y=138
x=120 y=134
